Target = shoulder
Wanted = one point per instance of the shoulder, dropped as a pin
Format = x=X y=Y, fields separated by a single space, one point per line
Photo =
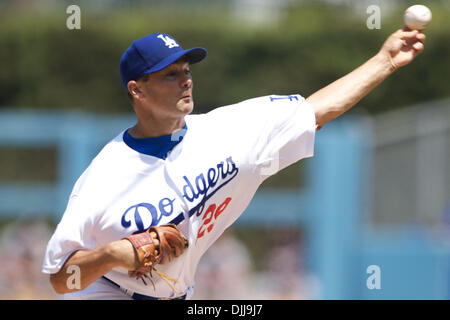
x=260 y=102
x=249 y=109
x=109 y=162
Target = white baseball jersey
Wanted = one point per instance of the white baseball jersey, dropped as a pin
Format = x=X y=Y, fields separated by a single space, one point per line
x=202 y=184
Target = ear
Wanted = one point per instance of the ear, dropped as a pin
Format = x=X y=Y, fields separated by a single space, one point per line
x=134 y=89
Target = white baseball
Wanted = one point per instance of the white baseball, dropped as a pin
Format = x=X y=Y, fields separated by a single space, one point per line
x=417 y=17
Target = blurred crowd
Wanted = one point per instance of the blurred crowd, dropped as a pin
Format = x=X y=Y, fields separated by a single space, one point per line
x=226 y=271
x=22 y=248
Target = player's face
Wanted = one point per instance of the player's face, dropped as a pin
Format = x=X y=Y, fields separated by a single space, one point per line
x=169 y=92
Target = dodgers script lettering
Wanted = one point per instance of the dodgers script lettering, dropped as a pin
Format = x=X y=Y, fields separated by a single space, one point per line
x=196 y=190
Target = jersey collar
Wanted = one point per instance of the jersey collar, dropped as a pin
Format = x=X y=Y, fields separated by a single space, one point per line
x=158 y=146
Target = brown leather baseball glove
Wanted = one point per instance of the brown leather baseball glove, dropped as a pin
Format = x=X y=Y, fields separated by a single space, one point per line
x=157 y=245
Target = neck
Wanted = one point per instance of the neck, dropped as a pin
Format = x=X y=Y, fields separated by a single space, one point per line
x=151 y=129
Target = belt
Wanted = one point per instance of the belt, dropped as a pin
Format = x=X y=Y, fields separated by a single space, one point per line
x=138 y=296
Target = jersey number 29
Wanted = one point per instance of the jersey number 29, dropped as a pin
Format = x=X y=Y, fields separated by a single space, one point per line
x=211 y=214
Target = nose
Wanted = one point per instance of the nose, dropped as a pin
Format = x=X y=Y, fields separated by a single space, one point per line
x=186 y=81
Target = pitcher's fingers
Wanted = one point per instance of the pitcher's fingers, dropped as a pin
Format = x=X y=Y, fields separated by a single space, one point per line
x=407 y=34
x=421 y=37
x=418 y=46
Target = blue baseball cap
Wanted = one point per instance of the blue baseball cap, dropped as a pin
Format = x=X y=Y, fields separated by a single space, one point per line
x=152 y=53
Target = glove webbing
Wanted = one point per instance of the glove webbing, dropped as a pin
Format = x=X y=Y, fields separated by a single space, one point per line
x=165 y=277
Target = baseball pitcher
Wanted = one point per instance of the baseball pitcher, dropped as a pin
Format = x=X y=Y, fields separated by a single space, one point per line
x=159 y=194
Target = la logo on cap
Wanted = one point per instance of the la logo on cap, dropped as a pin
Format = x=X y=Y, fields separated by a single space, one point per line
x=168 y=41
x=152 y=53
